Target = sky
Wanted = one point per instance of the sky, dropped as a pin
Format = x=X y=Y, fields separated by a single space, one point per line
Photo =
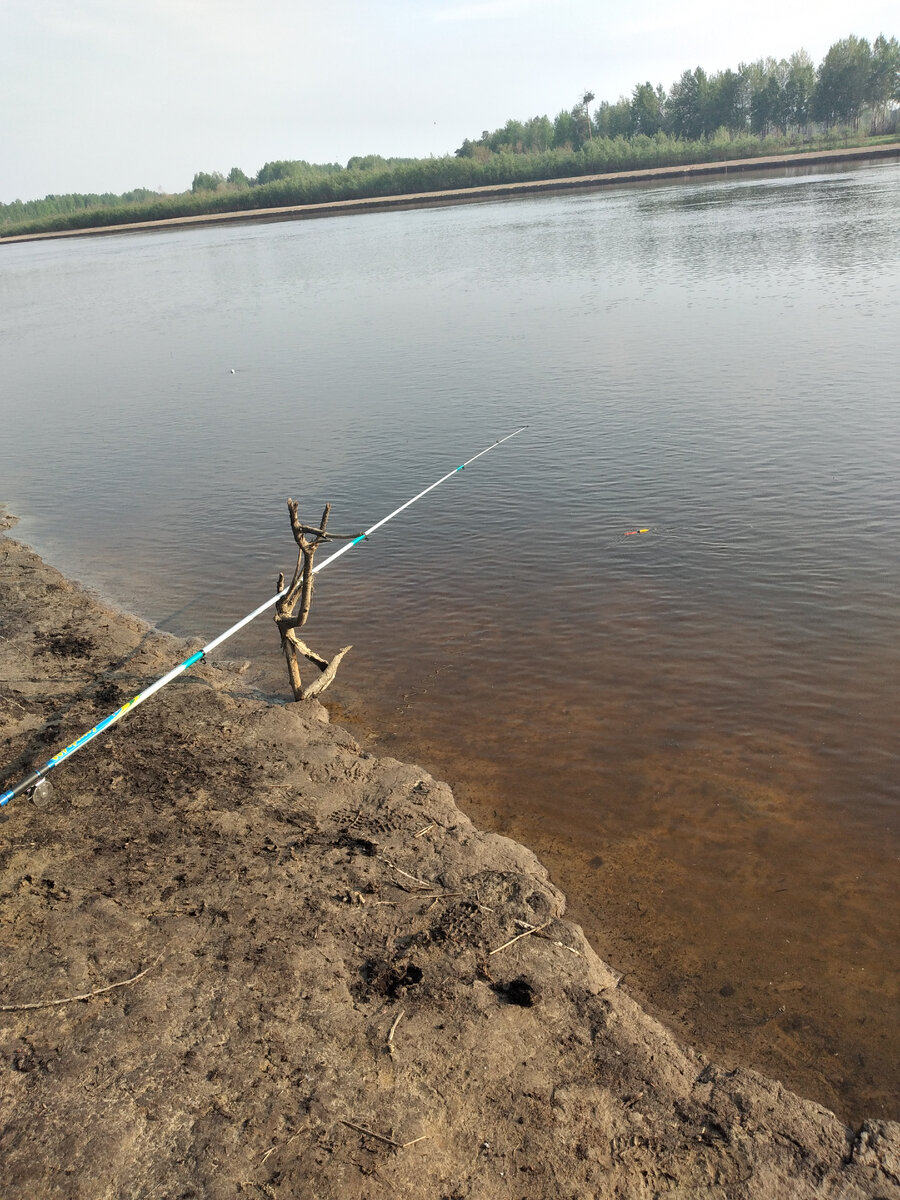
x=109 y=95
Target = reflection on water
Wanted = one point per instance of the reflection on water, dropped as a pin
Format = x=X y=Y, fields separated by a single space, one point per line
x=694 y=726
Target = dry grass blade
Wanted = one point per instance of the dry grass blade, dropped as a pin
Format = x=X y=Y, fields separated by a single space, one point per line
x=421 y=882
x=390 y=1036
x=527 y=933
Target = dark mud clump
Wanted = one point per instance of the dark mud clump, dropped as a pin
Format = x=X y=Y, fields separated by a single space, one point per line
x=65 y=644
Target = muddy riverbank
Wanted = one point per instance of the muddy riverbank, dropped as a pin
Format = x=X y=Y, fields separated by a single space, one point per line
x=243 y=957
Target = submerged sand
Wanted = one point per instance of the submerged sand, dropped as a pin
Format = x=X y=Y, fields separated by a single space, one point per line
x=321 y=994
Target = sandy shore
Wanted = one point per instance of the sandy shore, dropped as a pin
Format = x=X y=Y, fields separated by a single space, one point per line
x=494 y=192
x=316 y=987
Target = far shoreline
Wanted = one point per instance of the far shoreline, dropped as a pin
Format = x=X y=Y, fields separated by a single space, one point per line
x=499 y=191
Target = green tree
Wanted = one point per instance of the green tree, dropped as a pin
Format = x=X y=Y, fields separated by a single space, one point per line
x=271 y=171
x=884 y=80
x=799 y=88
x=768 y=106
x=647 y=108
x=724 y=105
x=565 y=130
x=754 y=77
x=205 y=181
x=587 y=99
x=237 y=178
x=510 y=139
x=844 y=82
x=687 y=111
x=538 y=134
x=615 y=120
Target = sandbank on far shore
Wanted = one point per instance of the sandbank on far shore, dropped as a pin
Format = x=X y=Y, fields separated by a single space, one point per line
x=498 y=191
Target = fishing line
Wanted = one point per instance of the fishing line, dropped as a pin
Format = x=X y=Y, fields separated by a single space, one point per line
x=695 y=535
x=36 y=777
x=699 y=536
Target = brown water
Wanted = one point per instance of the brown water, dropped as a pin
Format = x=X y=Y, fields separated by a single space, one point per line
x=696 y=726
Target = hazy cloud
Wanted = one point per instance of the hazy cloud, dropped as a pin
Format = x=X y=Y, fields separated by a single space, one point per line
x=488 y=10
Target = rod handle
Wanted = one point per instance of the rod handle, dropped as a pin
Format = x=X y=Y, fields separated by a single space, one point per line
x=32 y=779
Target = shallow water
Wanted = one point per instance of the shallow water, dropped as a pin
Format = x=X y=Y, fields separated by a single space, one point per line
x=695 y=726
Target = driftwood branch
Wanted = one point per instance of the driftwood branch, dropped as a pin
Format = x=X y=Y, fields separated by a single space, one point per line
x=289 y=618
x=327 y=677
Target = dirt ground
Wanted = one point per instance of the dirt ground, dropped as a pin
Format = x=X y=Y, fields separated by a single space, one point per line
x=287 y=969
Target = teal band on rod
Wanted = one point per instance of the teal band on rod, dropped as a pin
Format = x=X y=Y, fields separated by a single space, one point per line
x=35 y=777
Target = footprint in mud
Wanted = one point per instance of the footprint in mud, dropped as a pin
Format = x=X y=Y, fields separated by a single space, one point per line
x=65 y=644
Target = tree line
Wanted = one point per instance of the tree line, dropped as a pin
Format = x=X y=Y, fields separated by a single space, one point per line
x=766 y=107
x=767 y=97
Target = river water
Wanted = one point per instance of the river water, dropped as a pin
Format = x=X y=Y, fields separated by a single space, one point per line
x=696 y=725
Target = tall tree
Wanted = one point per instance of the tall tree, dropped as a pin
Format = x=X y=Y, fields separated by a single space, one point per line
x=799 y=88
x=615 y=120
x=884 y=81
x=647 y=109
x=725 y=106
x=565 y=130
x=587 y=99
x=687 y=111
x=844 y=82
x=207 y=181
x=510 y=139
x=538 y=134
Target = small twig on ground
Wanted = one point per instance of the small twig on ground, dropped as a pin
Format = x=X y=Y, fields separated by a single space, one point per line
x=422 y=832
x=381 y=1137
x=84 y=996
x=562 y=945
x=390 y=1036
x=483 y=907
x=400 y=871
x=527 y=933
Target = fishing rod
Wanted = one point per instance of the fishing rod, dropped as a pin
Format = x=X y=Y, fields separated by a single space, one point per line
x=35 y=777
